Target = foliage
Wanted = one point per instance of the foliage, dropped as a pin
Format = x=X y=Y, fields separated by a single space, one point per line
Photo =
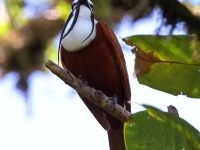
x=168 y=63
x=156 y=130
x=26 y=33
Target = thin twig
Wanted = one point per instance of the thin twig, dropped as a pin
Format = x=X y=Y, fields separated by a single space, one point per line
x=95 y=96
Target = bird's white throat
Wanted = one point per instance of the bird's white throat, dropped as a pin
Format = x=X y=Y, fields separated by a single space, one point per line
x=81 y=30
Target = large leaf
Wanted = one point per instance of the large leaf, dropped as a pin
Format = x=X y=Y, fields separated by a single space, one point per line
x=168 y=63
x=148 y=131
x=186 y=130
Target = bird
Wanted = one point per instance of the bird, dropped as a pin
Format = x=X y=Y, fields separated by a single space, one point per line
x=90 y=49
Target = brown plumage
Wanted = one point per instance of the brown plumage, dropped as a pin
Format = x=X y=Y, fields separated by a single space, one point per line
x=102 y=65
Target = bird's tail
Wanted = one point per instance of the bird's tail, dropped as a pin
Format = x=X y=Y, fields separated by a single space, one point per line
x=116 y=138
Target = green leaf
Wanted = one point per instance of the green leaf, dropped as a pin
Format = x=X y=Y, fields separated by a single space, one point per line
x=168 y=63
x=146 y=131
x=187 y=131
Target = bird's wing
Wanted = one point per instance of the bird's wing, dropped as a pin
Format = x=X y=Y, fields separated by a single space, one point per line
x=119 y=58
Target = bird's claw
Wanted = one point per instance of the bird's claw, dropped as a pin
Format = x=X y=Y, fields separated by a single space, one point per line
x=83 y=82
x=114 y=101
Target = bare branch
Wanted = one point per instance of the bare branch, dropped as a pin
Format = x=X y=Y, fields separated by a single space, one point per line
x=95 y=96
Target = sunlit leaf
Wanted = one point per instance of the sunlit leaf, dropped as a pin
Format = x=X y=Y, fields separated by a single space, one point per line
x=168 y=63
x=148 y=132
x=145 y=133
x=187 y=131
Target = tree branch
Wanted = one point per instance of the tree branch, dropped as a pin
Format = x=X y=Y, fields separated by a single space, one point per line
x=95 y=96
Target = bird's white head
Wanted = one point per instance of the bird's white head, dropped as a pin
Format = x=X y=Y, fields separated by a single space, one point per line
x=79 y=29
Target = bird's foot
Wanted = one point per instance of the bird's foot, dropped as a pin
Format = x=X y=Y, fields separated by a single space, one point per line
x=83 y=81
x=114 y=101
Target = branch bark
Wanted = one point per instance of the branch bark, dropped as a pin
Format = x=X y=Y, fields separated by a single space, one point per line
x=95 y=96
